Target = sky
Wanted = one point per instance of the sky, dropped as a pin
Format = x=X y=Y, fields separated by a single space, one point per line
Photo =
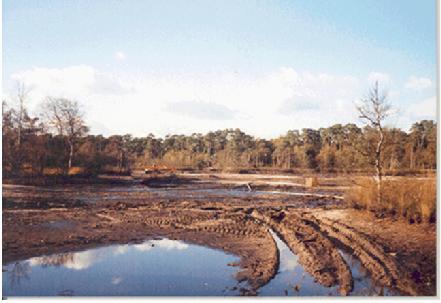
x=266 y=67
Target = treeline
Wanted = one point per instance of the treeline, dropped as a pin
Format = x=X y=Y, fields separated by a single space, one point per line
x=57 y=142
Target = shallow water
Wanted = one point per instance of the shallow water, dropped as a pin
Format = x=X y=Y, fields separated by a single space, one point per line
x=363 y=284
x=292 y=274
x=58 y=224
x=153 y=268
x=120 y=193
x=164 y=268
x=293 y=280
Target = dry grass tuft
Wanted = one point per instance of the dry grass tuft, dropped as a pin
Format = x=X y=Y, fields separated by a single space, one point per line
x=76 y=170
x=412 y=198
x=52 y=171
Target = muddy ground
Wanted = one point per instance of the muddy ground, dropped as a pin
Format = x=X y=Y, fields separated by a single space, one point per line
x=230 y=212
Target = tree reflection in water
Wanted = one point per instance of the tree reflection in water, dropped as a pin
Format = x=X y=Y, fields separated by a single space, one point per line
x=18 y=272
x=54 y=260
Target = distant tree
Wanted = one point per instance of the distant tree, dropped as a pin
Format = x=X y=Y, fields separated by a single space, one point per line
x=21 y=95
x=394 y=149
x=30 y=146
x=18 y=117
x=373 y=111
x=22 y=146
x=66 y=118
x=312 y=145
x=8 y=138
x=422 y=145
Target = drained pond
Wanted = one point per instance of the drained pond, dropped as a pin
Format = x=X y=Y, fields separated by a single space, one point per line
x=205 y=239
x=163 y=267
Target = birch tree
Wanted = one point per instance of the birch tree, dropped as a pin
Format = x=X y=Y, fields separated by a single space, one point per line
x=373 y=111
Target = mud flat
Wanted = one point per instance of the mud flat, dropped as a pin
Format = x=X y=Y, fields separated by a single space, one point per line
x=48 y=220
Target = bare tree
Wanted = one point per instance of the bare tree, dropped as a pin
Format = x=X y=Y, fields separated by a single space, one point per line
x=20 y=97
x=65 y=117
x=374 y=110
x=20 y=271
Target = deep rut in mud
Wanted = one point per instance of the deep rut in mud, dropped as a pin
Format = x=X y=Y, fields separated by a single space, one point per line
x=316 y=242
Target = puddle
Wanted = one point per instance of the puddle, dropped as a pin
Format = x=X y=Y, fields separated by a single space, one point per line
x=153 y=268
x=185 y=192
x=102 y=193
x=58 y=224
x=293 y=280
x=292 y=274
x=165 y=268
x=363 y=284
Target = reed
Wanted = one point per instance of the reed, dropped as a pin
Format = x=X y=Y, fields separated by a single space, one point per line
x=411 y=198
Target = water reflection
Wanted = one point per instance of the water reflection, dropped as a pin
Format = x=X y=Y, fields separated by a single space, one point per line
x=76 y=261
x=155 y=267
x=363 y=284
x=17 y=272
x=164 y=267
x=292 y=280
x=163 y=243
x=85 y=259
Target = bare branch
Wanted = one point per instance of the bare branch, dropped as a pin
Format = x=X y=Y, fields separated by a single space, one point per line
x=65 y=118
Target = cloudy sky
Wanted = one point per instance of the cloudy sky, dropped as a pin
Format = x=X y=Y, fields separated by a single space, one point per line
x=266 y=67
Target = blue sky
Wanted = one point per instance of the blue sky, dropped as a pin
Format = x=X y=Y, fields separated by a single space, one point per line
x=290 y=63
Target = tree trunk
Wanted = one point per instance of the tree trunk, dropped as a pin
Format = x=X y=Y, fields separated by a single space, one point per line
x=20 y=125
x=19 y=138
x=379 y=166
x=71 y=154
x=18 y=156
x=120 y=161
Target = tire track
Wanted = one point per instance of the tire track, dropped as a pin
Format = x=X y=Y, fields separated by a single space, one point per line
x=381 y=266
x=316 y=252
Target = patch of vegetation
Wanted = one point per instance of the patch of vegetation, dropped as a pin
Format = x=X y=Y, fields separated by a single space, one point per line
x=411 y=198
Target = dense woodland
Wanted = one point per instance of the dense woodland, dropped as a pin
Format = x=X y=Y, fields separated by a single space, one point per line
x=58 y=142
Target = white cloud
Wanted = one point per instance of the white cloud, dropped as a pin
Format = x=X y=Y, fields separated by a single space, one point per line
x=76 y=261
x=85 y=259
x=79 y=81
x=116 y=280
x=120 y=56
x=393 y=93
x=166 y=244
x=265 y=105
x=382 y=78
x=418 y=84
x=121 y=249
x=201 y=110
x=82 y=260
x=306 y=92
x=425 y=109
x=289 y=264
